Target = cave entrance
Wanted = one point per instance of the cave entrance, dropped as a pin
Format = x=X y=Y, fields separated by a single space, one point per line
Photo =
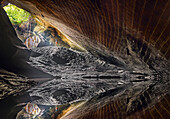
x=32 y=33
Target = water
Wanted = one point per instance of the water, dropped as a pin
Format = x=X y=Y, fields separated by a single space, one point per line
x=82 y=76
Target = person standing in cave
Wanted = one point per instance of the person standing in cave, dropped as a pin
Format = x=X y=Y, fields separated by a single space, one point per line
x=53 y=36
x=56 y=42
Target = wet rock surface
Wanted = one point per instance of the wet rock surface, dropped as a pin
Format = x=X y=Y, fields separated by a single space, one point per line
x=68 y=63
x=12 y=84
x=82 y=76
x=85 y=77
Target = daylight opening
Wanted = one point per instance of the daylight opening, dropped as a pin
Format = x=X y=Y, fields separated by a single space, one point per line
x=30 y=32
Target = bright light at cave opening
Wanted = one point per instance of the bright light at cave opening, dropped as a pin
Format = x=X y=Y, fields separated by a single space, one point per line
x=33 y=34
x=16 y=15
x=23 y=24
x=27 y=29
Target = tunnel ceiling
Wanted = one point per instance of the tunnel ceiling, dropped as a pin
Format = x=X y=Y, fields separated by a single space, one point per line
x=133 y=32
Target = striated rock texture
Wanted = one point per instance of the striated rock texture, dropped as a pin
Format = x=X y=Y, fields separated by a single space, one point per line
x=118 y=108
x=13 y=84
x=133 y=34
x=136 y=31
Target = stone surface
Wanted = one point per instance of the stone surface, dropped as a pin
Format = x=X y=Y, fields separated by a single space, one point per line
x=12 y=84
x=12 y=48
x=85 y=77
x=33 y=34
x=14 y=54
x=132 y=34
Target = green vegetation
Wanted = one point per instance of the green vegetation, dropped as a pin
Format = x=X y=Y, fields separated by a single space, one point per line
x=16 y=15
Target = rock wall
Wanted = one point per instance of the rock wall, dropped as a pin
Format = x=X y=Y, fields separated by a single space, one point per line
x=135 y=32
x=132 y=34
x=33 y=35
x=11 y=47
x=13 y=53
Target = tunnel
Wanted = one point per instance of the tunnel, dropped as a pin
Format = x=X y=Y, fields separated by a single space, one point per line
x=111 y=60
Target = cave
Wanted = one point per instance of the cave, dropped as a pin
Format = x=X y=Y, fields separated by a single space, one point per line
x=90 y=59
